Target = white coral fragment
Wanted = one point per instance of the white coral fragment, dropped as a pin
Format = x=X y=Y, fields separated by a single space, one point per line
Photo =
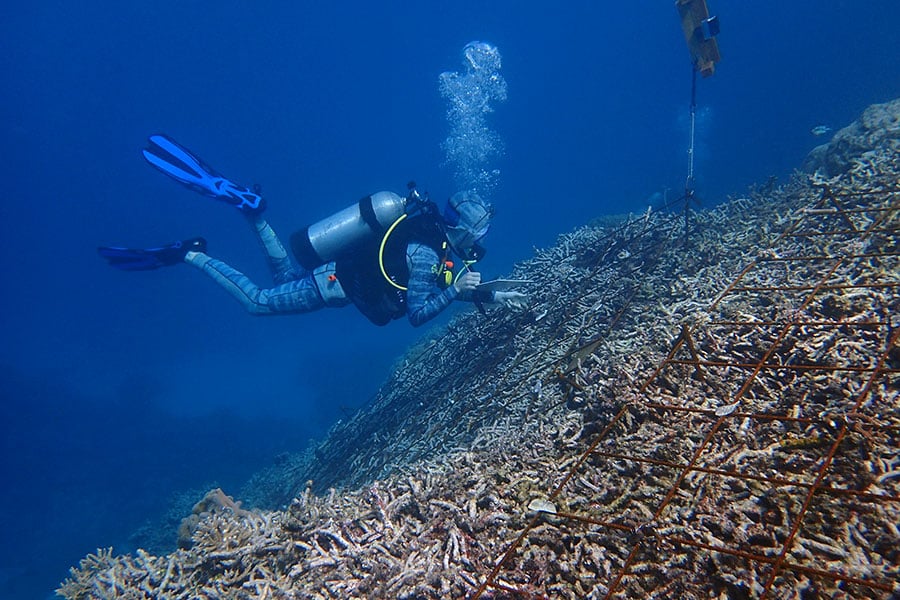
x=541 y=505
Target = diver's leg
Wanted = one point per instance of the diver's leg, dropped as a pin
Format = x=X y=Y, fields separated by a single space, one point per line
x=311 y=292
x=283 y=270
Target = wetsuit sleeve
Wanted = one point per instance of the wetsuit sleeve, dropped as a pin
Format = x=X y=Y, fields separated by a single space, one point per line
x=424 y=299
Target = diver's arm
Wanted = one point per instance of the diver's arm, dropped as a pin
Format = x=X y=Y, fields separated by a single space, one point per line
x=424 y=300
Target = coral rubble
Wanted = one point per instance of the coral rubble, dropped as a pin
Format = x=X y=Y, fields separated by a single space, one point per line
x=702 y=413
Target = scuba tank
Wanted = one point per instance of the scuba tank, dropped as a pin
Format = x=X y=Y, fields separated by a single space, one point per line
x=341 y=233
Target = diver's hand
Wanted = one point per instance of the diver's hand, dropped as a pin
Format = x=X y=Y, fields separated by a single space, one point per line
x=467 y=282
x=513 y=300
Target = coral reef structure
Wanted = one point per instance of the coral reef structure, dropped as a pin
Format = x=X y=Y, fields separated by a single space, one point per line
x=877 y=127
x=712 y=412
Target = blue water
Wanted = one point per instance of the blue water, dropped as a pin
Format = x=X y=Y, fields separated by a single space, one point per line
x=119 y=388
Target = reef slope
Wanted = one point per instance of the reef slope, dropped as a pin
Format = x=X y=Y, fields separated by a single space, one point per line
x=689 y=408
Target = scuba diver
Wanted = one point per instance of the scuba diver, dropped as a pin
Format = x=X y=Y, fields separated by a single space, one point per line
x=389 y=256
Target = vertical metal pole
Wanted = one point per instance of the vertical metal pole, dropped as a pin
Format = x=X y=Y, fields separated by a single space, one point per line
x=689 y=183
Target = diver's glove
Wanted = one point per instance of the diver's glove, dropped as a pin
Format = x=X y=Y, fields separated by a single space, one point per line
x=467 y=282
x=513 y=300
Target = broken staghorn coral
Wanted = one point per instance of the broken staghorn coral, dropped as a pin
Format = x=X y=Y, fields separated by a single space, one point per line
x=440 y=474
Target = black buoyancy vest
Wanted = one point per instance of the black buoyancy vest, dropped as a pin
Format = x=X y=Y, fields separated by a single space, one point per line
x=361 y=277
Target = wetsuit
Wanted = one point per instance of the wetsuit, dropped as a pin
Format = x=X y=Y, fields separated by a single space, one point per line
x=411 y=259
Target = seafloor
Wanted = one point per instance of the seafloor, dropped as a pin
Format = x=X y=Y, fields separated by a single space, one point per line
x=699 y=405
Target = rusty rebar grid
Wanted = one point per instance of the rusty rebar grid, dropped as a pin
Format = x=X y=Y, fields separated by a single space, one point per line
x=778 y=564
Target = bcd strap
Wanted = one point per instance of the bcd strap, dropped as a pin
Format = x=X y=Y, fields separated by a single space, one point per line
x=367 y=211
x=444 y=269
x=303 y=249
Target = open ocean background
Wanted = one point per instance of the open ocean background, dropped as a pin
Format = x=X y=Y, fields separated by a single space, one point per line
x=120 y=389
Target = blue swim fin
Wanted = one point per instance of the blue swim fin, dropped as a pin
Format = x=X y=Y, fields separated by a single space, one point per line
x=177 y=162
x=147 y=259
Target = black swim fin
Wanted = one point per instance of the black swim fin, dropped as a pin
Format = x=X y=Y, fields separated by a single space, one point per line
x=178 y=163
x=146 y=259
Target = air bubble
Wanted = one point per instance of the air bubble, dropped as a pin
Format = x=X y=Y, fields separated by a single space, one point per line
x=470 y=95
